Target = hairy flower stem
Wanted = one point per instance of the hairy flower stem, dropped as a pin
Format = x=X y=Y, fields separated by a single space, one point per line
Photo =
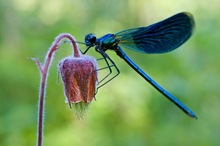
x=44 y=73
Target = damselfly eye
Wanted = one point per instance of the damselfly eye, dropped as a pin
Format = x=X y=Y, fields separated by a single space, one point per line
x=90 y=40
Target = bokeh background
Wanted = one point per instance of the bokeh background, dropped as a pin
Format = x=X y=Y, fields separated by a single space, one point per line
x=128 y=111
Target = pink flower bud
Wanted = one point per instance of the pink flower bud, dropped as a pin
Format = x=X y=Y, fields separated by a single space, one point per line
x=79 y=75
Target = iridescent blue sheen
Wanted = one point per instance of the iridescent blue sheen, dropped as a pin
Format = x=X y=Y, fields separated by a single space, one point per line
x=160 y=37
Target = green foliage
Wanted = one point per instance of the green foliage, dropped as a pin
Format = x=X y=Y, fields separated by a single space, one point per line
x=127 y=111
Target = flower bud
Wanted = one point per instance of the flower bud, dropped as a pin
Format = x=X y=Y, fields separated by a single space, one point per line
x=79 y=76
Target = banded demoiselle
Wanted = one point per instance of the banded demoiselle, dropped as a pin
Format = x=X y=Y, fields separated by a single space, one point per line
x=160 y=37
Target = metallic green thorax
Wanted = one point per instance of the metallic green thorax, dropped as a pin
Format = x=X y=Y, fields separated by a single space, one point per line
x=108 y=42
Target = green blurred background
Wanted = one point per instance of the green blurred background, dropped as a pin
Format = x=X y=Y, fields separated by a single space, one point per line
x=128 y=111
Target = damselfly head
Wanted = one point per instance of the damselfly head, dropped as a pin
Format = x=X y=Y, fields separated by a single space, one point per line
x=90 y=39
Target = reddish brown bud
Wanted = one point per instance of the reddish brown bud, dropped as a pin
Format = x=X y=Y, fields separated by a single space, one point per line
x=79 y=75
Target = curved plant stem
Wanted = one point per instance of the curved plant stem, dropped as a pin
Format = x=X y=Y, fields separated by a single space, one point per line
x=44 y=73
